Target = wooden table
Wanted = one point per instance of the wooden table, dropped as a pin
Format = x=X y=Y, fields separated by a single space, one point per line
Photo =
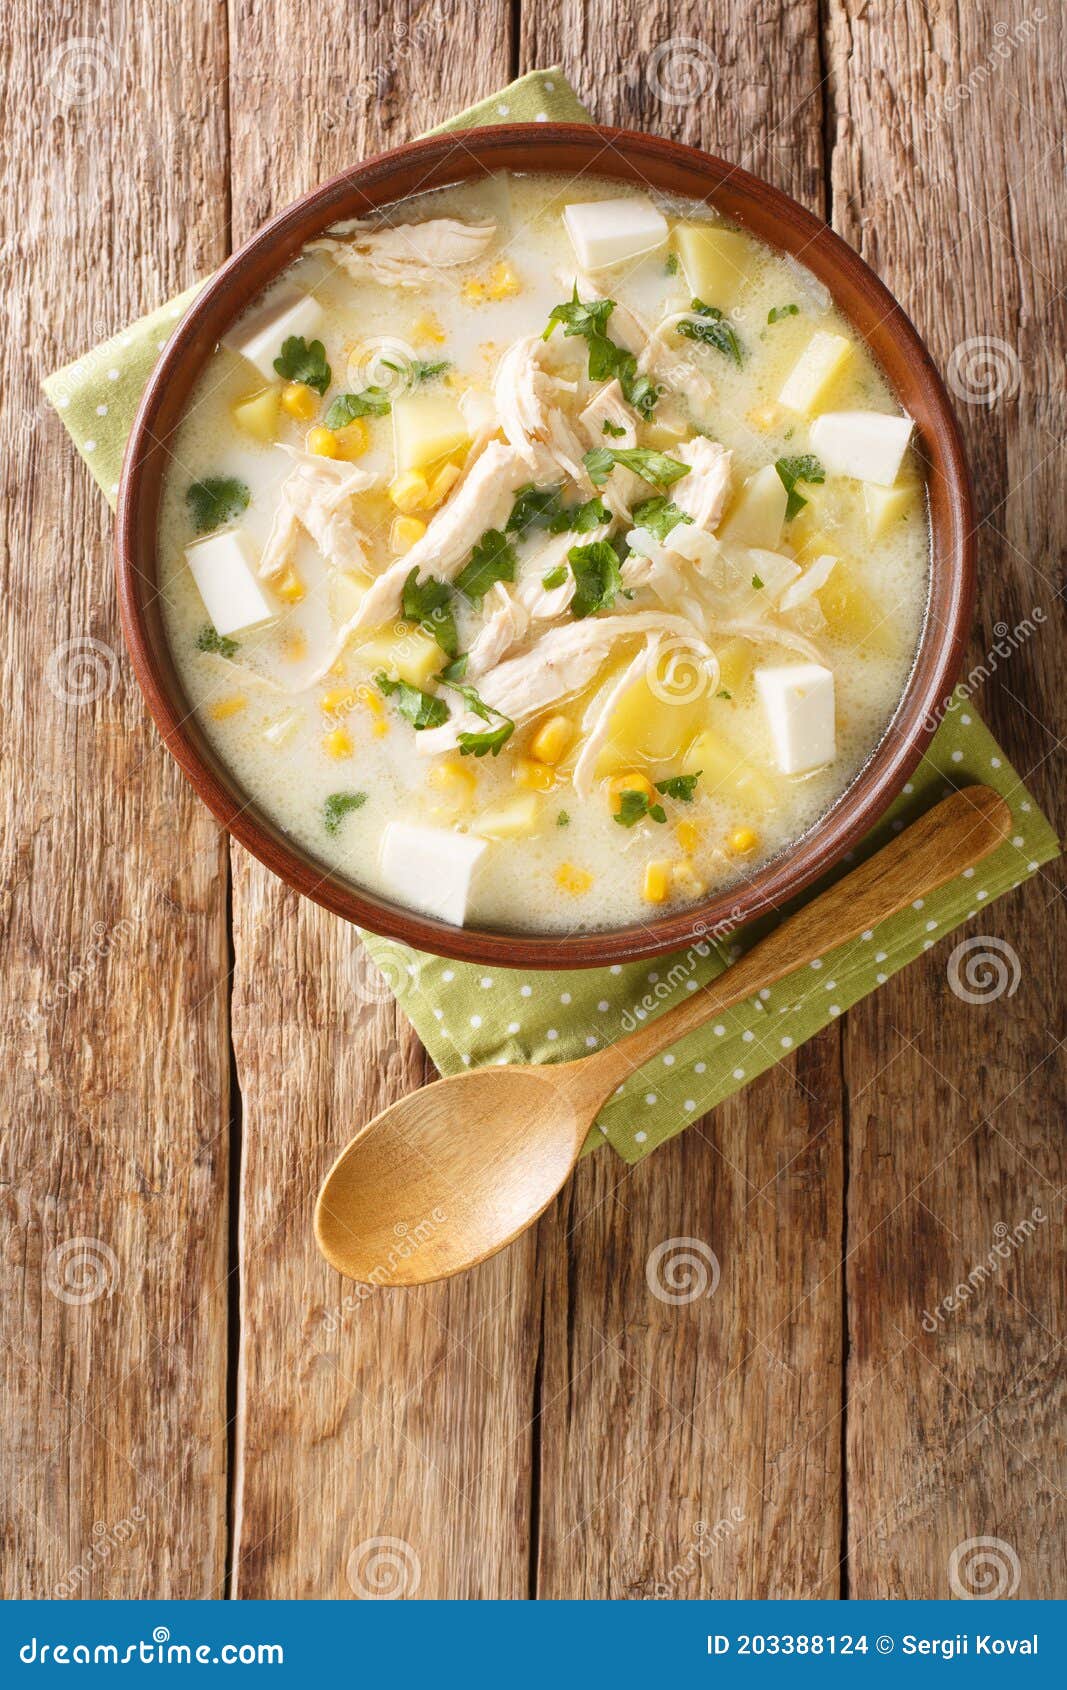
x=186 y=1044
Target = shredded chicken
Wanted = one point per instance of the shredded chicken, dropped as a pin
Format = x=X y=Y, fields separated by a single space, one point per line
x=483 y=499
x=671 y=369
x=315 y=497
x=560 y=663
x=527 y=401
x=506 y=621
x=813 y=579
x=407 y=255
x=623 y=489
x=702 y=494
x=585 y=768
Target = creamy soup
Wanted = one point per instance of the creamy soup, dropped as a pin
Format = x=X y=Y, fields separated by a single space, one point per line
x=544 y=555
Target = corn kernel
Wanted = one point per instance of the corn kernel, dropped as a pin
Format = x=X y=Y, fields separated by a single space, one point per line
x=657 y=883
x=552 y=739
x=765 y=417
x=410 y=492
x=227 y=707
x=688 y=836
x=290 y=588
x=299 y=400
x=338 y=743
x=503 y=282
x=537 y=776
x=742 y=840
x=405 y=531
x=685 y=881
x=427 y=331
x=473 y=291
x=632 y=782
x=323 y=442
x=454 y=781
x=338 y=701
x=443 y=483
x=573 y=880
x=352 y=440
x=371 y=699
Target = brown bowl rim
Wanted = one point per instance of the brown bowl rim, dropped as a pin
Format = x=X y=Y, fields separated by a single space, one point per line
x=747 y=199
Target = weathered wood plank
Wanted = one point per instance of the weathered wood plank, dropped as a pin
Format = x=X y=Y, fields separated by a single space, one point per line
x=402 y=1417
x=659 y=1418
x=113 y=887
x=957 y=1107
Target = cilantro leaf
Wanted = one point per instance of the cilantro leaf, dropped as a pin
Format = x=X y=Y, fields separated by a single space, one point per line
x=611 y=428
x=337 y=807
x=216 y=499
x=671 y=266
x=722 y=693
x=681 y=787
x=372 y=402
x=581 y=519
x=209 y=639
x=790 y=471
x=429 y=603
x=563 y=819
x=534 y=507
x=597 y=577
x=712 y=329
x=421 y=709
x=659 y=516
x=456 y=670
x=607 y=361
x=758 y=583
x=301 y=361
x=651 y=465
x=492 y=740
x=554 y=577
x=777 y=312
x=493 y=559
x=422 y=370
x=581 y=317
x=635 y=806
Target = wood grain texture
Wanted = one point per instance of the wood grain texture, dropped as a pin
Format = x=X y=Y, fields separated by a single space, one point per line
x=944 y=121
x=399 y=1417
x=113 y=885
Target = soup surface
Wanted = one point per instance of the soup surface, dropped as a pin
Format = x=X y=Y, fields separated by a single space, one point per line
x=542 y=554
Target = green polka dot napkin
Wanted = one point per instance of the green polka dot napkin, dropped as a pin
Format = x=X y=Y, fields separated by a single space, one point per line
x=468 y=1016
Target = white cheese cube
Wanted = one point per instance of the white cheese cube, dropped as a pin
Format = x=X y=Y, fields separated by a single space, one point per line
x=259 y=337
x=798 y=703
x=607 y=232
x=814 y=370
x=430 y=868
x=865 y=444
x=224 y=569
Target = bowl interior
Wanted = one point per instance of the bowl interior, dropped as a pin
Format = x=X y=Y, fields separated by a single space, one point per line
x=571 y=150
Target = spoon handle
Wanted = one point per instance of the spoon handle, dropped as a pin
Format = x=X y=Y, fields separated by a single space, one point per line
x=956 y=833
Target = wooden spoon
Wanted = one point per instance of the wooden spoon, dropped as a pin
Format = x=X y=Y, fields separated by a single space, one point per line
x=452 y=1173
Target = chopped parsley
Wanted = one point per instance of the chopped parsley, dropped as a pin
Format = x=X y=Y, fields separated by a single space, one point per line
x=671 y=265
x=421 y=709
x=597 y=577
x=493 y=559
x=216 y=499
x=790 y=471
x=209 y=639
x=555 y=577
x=493 y=739
x=304 y=361
x=455 y=670
x=712 y=329
x=777 y=312
x=635 y=806
x=649 y=464
x=758 y=583
x=429 y=603
x=722 y=693
x=581 y=519
x=534 y=507
x=372 y=402
x=613 y=429
x=681 y=787
x=337 y=807
x=420 y=370
x=659 y=516
x=563 y=819
x=607 y=361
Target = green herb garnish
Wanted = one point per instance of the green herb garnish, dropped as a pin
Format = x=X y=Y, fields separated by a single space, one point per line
x=635 y=806
x=421 y=370
x=555 y=577
x=681 y=787
x=491 y=741
x=597 y=577
x=757 y=582
x=792 y=470
x=777 y=312
x=493 y=559
x=659 y=516
x=304 y=361
x=563 y=819
x=650 y=465
x=712 y=329
x=337 y=807
x=534 y=507
x=671 y=265
x=612 y=429
x=209 y=639
x=606 y=360
x=722 y=693
x=372 y=402
x=421 y=709
x=455 y=670
x=429 y=603
x=216 y=499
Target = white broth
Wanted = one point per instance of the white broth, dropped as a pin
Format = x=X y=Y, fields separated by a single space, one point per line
x=465 y=654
